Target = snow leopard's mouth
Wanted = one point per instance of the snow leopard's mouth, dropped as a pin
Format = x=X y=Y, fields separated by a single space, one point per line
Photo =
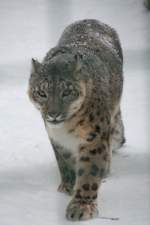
x=55 y=121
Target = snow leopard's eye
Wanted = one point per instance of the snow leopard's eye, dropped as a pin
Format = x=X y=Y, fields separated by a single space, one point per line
x=37 y=93
x=66 y=93
x=42 y=94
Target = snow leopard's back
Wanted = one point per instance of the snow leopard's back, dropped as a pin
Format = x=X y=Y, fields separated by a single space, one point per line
x=92 y=34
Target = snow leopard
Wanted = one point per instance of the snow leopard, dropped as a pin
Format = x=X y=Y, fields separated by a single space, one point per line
x=77 y=88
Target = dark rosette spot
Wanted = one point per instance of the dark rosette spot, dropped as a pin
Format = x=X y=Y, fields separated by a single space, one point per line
x=93 y=151
x=97 y=128
x=86 y=187
x=85 y=159
x=94 y=186
x=94 y=170
x=91 y=117
x=92 y=136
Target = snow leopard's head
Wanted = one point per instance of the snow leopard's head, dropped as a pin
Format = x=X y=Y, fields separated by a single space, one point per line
x=56 y=87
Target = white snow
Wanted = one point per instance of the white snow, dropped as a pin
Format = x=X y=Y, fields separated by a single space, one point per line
x=28 y=172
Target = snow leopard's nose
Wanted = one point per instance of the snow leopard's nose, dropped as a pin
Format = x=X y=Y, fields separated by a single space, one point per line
x=54 y=116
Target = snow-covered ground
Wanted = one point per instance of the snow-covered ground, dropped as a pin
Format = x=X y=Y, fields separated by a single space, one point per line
x=28 y=171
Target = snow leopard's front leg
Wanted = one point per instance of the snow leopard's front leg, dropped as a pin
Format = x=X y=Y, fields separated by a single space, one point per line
x=66 y=168
x=93 y=163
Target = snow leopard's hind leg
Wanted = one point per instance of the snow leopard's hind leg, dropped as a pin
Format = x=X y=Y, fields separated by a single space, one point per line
x=117 y=132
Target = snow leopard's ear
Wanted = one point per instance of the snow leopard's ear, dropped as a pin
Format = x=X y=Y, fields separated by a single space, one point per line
x=35 y=66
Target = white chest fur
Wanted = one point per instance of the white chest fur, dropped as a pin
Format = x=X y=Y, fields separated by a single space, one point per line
x=61 y=135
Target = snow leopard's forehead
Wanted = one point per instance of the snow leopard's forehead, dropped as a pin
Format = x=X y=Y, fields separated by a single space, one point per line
x=60 y=67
